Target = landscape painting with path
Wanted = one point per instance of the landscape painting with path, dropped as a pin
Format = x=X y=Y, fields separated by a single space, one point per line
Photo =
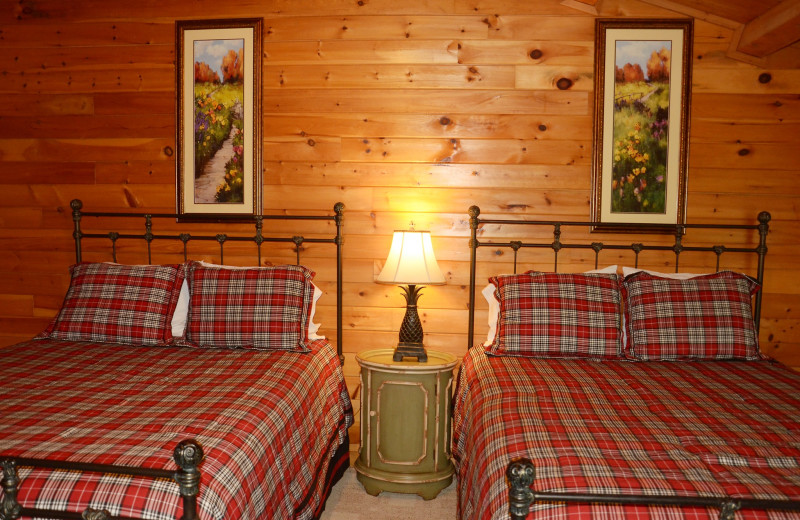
x=219 y=121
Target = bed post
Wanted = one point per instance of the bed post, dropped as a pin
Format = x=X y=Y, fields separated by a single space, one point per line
x=338 y=209
x=9 y=507
x=763 y=228
x=678 y=247
x=188 y=455
x=520 y=475
x=76 y=206
x=95 y=514
x=727 y=510
x=259 y=238
x=474 y=211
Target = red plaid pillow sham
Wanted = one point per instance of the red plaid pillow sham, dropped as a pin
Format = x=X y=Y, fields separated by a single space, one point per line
x=260 y=308
x=114 y=303
x=706 y=317
x=558 y=315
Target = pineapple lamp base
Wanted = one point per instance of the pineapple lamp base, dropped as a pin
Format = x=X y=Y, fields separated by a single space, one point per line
x=410 y=344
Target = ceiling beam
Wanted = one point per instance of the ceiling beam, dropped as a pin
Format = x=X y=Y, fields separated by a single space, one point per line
x=587 y=6
x=680 y=6
x=772 y=30
x=752 y=42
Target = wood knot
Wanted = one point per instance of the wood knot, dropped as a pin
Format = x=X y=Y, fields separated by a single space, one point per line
x=764 y=77
x=536 y=54
x=444 y=121
x=743 y=152
x=168 y=151
x=564 y=83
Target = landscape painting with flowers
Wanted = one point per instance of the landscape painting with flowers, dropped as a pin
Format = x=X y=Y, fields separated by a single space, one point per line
x=642 y=81
x=219 y=138
x=641 y=121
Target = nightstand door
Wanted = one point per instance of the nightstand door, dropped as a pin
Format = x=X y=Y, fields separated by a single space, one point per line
x=404 y=420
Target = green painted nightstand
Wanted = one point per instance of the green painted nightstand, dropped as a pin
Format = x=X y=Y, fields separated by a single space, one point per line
x=405 y=423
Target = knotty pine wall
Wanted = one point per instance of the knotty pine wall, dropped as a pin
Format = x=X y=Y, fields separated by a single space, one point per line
x=408 y=112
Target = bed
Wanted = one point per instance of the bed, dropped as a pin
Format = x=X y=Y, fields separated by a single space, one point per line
x=600 y=395
x=179 y=390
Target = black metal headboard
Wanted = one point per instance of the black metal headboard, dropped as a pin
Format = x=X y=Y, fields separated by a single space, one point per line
x=556 y=245
x=222 y=238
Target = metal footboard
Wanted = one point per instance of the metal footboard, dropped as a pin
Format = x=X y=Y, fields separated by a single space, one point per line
x=521 y=474
x=187 y=455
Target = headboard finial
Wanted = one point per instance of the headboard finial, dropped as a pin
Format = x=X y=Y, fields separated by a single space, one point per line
x=474 y=211
x=76 y=204
x=764 y=217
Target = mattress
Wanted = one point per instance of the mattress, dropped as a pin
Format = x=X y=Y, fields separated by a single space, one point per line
x=269 y=423
x=709 y=428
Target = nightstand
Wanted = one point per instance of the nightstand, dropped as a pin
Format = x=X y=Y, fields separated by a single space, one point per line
x=405 y=423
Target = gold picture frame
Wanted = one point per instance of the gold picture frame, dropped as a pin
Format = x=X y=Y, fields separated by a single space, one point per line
x=641 y=126
x=218 y=84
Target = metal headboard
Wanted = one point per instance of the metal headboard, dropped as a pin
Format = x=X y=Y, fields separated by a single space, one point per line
x=258 y=239
x=556 y=245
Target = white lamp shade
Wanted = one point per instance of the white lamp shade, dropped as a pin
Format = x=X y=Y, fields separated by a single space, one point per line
x=411 y=260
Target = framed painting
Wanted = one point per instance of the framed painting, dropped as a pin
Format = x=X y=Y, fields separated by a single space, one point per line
x=641 y=126
x=218 y=77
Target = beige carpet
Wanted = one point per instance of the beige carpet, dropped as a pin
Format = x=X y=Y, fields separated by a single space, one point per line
x=349 y=501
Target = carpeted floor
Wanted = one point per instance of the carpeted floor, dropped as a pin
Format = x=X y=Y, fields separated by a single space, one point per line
x=349 y=501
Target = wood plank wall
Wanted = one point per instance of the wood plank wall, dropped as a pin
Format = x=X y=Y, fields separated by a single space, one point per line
x=408 y=112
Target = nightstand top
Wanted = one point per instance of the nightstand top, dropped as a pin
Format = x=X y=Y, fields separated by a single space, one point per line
x=382 y=358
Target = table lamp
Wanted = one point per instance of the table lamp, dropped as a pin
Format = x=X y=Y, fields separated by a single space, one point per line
x=411 y=262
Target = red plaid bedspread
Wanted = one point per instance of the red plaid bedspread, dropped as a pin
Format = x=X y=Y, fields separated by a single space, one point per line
x=700 y=429
x=268 y=422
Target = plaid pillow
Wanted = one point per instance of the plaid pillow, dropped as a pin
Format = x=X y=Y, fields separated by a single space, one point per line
x=558 y=315
x=705 y=317
x=264 y=308
x=113 y=303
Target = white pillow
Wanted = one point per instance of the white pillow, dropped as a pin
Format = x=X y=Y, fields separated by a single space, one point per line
x=626 y=271
x=494 y=312
x=182 y=308
x=611 y=269
x=494 y=305
x=181 y=313
x=314 y=327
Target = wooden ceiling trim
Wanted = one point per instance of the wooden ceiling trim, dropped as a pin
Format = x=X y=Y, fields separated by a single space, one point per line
x=735 y=54
x=759 y=29
x=587 y=6
x=771 y=31
x=700 y=14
